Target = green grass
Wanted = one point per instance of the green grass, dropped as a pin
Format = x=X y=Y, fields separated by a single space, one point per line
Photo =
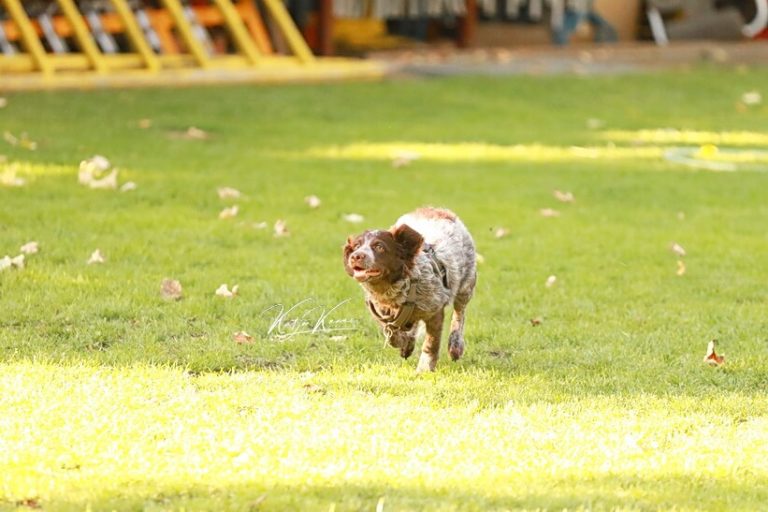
x=113 y=398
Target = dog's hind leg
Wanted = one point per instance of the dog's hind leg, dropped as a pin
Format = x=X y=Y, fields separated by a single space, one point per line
x=456 y=338
x=430 y=350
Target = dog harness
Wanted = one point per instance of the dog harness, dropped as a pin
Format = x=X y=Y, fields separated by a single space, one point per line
x=403 y=317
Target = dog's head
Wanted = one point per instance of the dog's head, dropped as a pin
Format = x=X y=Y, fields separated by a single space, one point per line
x=382 y=256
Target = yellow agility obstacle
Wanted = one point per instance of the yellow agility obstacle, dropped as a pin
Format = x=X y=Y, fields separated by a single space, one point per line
x=94 y=43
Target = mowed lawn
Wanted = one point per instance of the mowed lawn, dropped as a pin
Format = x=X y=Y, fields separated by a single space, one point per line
x=588 y=394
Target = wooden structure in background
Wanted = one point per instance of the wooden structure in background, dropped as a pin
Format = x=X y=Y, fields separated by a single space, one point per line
x=230 y=39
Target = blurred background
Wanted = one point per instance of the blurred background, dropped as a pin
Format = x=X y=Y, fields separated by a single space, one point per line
x=49 y=43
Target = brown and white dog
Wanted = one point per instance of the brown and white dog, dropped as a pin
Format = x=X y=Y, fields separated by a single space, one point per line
x=409 y=273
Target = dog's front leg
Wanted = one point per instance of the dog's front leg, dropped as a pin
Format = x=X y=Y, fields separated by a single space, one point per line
x=431 y=347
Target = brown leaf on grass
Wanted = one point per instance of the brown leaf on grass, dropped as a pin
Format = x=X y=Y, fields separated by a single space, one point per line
x=751 y=98
x=228 y=213
x=170 y=289
x=549 y=212
x=191 y=133
x=33 y=503
x=712 y=358
x=536 y=321
x=27 y=143
x=96 y=257
x=242 y=337
x=313 y=201
x=145 y=123
x=224 y=291
x=91 y=173
x=18 y=261
x=228 y=193
x=403 y=158
x=107 y=182
x=8 y=177
x=281 y=228
x=314 y=388
x=680 y=267
x=501 y=232
x=354 y=218
x=10 y=138
x=677 y=249
x=563 y=197
x=30 y=248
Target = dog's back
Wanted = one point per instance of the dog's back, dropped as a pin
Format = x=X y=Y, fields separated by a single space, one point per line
x=452 y=243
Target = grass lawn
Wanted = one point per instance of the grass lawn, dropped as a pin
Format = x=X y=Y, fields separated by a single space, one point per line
x=113 y=398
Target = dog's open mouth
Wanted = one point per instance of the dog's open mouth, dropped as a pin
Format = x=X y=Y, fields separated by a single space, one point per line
x=363 y=274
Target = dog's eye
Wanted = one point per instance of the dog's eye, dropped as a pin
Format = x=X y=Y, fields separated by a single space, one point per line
x=378 y=247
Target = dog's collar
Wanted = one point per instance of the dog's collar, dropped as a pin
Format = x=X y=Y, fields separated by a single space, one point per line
x=405 y=313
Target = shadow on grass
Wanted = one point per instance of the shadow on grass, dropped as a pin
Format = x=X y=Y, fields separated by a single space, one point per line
x=610 y=492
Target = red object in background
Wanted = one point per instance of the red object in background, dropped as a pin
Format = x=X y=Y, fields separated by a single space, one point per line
x=762 y=35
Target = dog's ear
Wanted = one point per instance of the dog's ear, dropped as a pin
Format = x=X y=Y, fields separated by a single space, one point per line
x=408 y=240
x=348 y=249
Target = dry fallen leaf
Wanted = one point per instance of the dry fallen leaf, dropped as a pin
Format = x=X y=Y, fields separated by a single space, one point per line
x=107 y=182
x=536 y=321
x=551 y=280
x=10 y=138
x=677 y=249
x=752 y=98
x=128 y=186
x=563 y=197
x=403 y=158
x=27 y=143
x=242 y=337
x=712 y=357
x=96 y=257
x=354 y=218
x=680 y=267
x=594 y=123
x=501 y=232
x=228 y=213
x=281 y=228
x=196 y=133
x=228 y=193
x=91 y=173
x=3 y=102
x=549 y=212
x=145 y=123
x=18 y=261
x=170 y=289
x=30 y=248
x=8 y=177
x=312 y=201
x=224 y=291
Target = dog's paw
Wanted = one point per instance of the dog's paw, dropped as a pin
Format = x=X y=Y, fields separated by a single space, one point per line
x=455 y=346
x=427 y=363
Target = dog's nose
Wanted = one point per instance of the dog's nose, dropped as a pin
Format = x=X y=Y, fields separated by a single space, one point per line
x=357 y=256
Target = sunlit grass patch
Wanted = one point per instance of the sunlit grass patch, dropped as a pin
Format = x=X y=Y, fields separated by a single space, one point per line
x=683 y=136
x=83 y=435
x=479 y=152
